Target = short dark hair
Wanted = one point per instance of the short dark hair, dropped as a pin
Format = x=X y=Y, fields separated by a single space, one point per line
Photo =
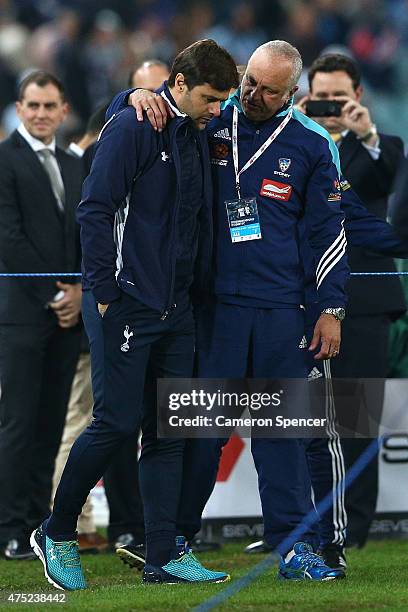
x=205 y=62
x=97 y=120
x=333 y=62
x=146 y=64
x=40 y=78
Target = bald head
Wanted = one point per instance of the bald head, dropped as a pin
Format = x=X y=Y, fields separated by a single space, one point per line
x=275 y=50
x=270 y=79
x=150 y=75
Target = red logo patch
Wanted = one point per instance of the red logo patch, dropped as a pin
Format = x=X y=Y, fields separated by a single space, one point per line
x=220 y=150
x=275 y=190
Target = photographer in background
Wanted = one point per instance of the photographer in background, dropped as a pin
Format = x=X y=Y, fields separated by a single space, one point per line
x=369 y=161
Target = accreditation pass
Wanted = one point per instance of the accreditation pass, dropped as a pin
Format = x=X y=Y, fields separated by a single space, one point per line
x=243 y=219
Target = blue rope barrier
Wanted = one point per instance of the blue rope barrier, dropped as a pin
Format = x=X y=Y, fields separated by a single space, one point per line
x=273 y=558
x=78 y=274
x=378 y=273
x=39 y=274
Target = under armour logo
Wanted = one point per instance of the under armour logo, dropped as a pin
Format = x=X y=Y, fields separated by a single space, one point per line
x=125 y=346
x=164 y=156
x=52 y=556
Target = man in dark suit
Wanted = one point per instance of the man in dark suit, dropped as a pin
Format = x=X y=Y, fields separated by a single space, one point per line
x=369 y=160
x=399 y=208
x=40 y=187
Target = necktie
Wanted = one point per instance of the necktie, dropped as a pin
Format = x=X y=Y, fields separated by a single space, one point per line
x=51 y=167
x=337 y=137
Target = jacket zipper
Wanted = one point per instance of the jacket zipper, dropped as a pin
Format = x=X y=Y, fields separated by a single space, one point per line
x=176 y=158
x=210 y=211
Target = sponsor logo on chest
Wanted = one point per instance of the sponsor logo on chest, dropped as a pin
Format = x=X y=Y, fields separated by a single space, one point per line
x=275 y=190
x=219 y=151
x=223 y=134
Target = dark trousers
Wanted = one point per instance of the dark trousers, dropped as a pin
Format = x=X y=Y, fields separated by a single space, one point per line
x=122 y=488
x=121 y=482
x=234 y=342
x=363 y=354
x=37 y=366
x=130 y=348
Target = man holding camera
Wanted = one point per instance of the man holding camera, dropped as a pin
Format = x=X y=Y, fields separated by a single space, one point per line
x=369 y=161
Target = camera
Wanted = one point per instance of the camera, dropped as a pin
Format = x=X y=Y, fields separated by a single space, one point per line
x=323 y=108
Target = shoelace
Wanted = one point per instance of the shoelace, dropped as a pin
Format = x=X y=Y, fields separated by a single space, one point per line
x=68 y=553
x=311 y=559
x=189 y=559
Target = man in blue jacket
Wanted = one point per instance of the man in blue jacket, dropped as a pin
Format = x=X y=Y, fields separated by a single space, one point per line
x=146 y=230
x=276 y=167
x=256 y=325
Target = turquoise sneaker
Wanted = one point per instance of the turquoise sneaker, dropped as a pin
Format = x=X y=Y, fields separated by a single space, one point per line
x=304 y=564
x=184 y=568
x=62 y=565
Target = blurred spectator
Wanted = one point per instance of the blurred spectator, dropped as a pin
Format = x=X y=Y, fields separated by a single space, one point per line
x=241 y=36
x=374 y=40
x=303 y=32
x=70 y=64
x=104 y=54
x=84 y=148
x=154 y=37
x=333 y=22
x=150 y=75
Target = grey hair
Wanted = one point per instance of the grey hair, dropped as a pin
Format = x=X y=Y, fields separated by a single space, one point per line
x=284 y=49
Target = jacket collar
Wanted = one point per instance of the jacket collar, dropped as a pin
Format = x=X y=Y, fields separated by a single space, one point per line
x=164 y=91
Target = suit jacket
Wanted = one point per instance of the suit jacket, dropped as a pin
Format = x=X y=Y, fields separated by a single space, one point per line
x=399 y=211
x=34 y=235
x=373 y=182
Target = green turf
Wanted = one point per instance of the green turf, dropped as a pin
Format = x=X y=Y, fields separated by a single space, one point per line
x=377 y=580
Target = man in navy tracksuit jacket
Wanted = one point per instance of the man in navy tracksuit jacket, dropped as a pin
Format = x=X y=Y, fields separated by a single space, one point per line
x=146 y=230
x=256 y=326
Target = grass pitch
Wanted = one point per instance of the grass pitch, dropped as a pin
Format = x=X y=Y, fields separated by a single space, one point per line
x=377 y=579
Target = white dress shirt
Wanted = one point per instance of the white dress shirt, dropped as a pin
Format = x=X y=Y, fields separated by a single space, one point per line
x=37 y=146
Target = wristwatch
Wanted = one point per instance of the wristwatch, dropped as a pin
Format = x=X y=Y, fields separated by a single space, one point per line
x=337 y=313
x=371 y=132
